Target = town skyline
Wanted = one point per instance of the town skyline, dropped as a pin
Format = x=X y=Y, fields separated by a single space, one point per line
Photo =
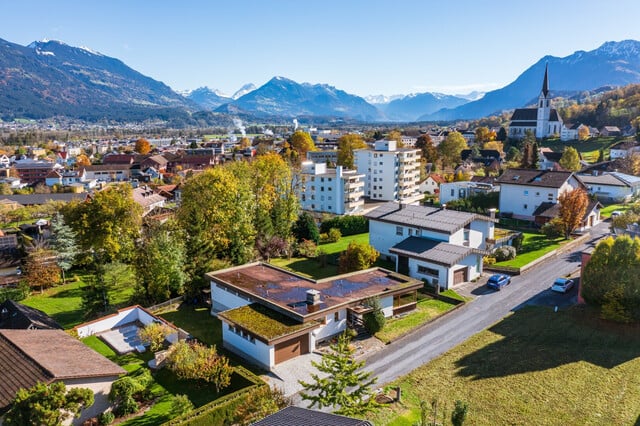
x=388 y=49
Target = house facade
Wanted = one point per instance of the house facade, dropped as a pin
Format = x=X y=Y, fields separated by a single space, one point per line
x=522 y=191
x=543 y=121
x=612 y=187
x=329 y=190
x=443 y=247
x=452 y=191
x=431 y=185
x=391 y=173
x=270 y=315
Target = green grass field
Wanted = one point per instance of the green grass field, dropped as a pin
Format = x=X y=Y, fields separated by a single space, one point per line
x=533 y=247
x=589 y=149
x=535 y=367
x=198 y=322
x=606 y=211
x=64 y=302
x=312 y=268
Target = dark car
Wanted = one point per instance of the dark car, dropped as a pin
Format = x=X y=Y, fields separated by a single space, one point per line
x=498 y=281
x=562 y=285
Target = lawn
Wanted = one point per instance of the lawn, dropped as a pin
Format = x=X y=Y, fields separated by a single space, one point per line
x=589 y=149
x=198 y=322
x=314 y=269
x=533 y=247
x=64 y=302
x=426 y=310
x=606 y=211
x=535 y=367
x=165 y=385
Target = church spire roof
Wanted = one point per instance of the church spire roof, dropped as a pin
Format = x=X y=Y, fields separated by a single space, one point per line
x=545 y=82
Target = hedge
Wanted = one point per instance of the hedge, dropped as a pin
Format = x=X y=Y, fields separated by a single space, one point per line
x=348 y=225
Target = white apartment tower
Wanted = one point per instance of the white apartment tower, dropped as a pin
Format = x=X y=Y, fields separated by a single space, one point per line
x=326 y=190
x=391 y=173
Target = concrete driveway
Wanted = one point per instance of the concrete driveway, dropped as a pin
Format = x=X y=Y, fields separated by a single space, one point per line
x=285 y=376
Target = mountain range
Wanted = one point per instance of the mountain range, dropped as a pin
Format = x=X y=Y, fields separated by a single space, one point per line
x=50 y=78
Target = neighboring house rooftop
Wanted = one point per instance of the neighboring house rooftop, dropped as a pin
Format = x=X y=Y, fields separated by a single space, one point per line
x=14 y=315
x=31 y=356
x=424 y=217
x=534 y=177
x=434 y=251
x=608 y=179
x=296 y=416
x=33 y=199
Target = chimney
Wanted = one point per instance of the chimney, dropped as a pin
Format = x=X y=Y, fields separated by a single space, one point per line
x=313 y=297
x=492 y=213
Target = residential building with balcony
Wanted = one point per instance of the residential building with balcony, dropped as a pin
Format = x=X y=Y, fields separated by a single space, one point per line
x=329 y=190
x=391 y=173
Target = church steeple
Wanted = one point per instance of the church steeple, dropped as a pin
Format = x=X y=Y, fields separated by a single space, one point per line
x=545 y=82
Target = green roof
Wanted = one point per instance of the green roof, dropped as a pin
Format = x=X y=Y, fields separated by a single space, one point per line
x=264 y=322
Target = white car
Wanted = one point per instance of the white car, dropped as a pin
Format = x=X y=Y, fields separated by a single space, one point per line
x=562 y=285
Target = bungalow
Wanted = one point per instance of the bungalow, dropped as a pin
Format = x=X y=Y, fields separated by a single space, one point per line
x=623 y=149
x=31 y=356
x=610 y=131
x=270 y=315
x=443 y=247
x=612 y=187
x=522 y=191
x=452 y=191
x=547 y=211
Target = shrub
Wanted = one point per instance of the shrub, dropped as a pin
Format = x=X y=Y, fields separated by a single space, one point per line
x=334 y=235
x=459 y=413
x=489 y=260
x=106 y=418
x=374 y=320
x=180 y=404
x=504 y=253
x=348 y=225
x=517 y=241
x=307 y=248
x=357 y=257
x=553 y=229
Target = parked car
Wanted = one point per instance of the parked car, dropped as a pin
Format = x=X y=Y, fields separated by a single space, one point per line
x=562 y=285
x=615 y=213
x=497 y=281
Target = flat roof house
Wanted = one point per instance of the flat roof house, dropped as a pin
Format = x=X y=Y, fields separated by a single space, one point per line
x=270 y=315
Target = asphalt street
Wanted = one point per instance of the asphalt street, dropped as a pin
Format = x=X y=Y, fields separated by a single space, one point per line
x=402 y=356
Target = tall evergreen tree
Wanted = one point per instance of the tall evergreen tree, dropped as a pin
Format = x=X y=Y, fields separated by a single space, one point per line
x=345 y=387
x=535 y=156
x=63 y=243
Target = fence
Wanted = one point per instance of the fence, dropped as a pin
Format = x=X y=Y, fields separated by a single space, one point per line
x=166 y=304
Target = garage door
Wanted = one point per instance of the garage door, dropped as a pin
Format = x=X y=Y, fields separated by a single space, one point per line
x=460 y=276
x=292 y=348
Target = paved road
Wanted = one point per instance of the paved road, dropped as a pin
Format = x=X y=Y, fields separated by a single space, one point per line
x=401 y=357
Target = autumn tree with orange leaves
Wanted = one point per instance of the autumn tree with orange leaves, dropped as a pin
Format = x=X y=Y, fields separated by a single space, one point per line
x=573 y=206
x=142 y=146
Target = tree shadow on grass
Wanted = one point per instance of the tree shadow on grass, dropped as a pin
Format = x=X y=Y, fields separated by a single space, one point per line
x=538 y=339
x=69 y=293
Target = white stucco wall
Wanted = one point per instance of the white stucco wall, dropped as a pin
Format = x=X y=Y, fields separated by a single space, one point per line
x=222 y=300
x=473 y=263
x=523 y=200
x=256 y=350
x=124 y=316
x=383 y=236
x=101 y=386
x=331 y=328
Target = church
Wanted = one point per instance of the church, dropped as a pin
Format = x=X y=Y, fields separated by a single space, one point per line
x=543 y=120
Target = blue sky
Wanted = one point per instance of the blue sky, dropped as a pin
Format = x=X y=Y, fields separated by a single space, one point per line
x=362 y=47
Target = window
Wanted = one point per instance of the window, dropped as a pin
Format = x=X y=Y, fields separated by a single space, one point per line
x=526 y=193
x=537 y=194
x=336 y=316
x=399 y=230
x=526 y=206
x=428 y=271
x=453 y=192
x=410 y=232
x=404 y=299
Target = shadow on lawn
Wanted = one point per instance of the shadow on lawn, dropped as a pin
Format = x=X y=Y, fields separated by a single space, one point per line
x=538 y=339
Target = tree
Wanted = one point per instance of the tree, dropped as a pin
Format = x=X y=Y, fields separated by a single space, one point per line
x=107 y=223
x=159 y=264
x=502 y=134
x=301 y=143
x=180 y=404
x=600 y=156
x=258 y=403
x=82 y=160
x=535 y=155
x=451 y=147
x=357 y=257
x=63 y=243
x=583 y=133
x=154 y=334
x=95 y=294
x=484 y=135
x=40 y=269
x=142 y=146
x=305 y=228
x=47 y=405
x=514 y=154
x=395 y=135
x=374 y=321
x=496 y=145
x=429 y=152
x=346 y=144
x=573 y=206
x=5 y=189
x=610 y=278
x=345 y=387
x=195 y=361
x=570 y=159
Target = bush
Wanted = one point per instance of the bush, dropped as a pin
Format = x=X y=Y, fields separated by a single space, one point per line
x=553 y=229
x=307 y=248
x=348 y=225
x=517 y=241
x=374 y=321
x=334 y=235
x=459 y=414
x=180 y=404
x=15 y=294
x=106 y=418
x=504 y=253
x=489 y=260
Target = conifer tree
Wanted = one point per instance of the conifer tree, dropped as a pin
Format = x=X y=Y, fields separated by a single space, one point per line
x=63 y=243
x=345 y=387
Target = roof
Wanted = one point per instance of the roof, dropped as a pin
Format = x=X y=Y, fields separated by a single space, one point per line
x=31 y=356
x=286 y=292
x=158 y=159
x=607 y=179
x=296 y=416
x=624 y=145
x=534 y=177
x=436 y=177
x=18 y=316
x=525 y=114
x=551 y=210
x=433 y=251
x=523 y=124
x=424 y=217
x=552 y=156
x=103 y=167
x=33 y=199
x=146 y=197
x=119 y=159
